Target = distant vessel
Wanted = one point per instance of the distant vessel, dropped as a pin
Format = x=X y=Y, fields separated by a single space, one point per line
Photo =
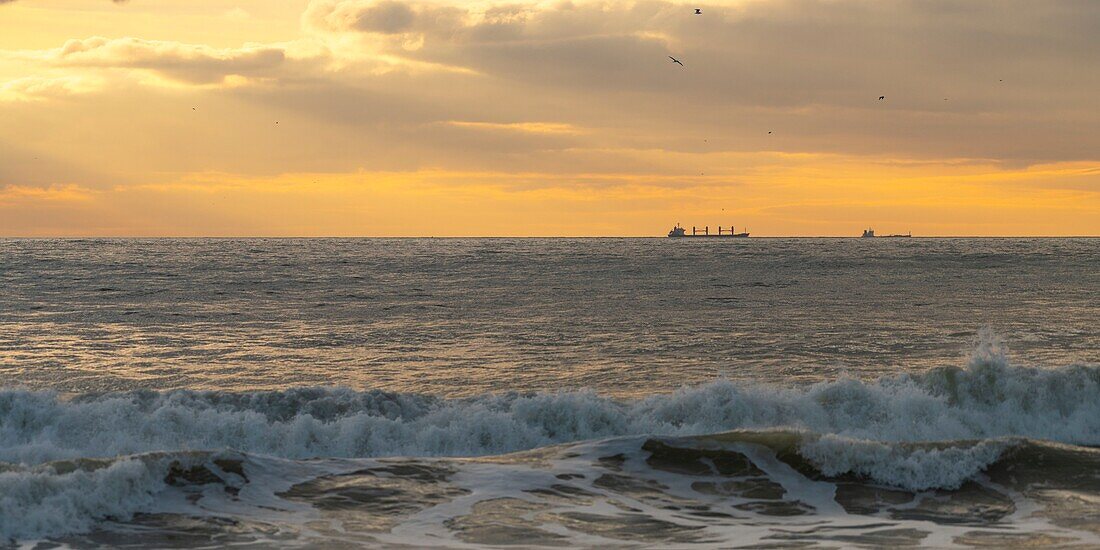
x=722 y=232
x=870 y=234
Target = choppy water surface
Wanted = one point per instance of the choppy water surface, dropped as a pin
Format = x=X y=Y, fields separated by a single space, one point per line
x=458 y=317
x=531 y=392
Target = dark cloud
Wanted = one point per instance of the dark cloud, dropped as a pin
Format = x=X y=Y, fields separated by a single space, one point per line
x=386 y=18
x=1022 y=78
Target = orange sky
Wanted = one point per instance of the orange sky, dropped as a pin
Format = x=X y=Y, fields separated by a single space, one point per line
x=354 y=117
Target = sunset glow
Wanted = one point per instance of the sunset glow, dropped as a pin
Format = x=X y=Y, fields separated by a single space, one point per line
x=395 y=118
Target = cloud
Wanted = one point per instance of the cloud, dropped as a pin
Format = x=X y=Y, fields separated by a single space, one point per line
x=184 y=62
x=586 y=88
x=40 y=87
x=54 y=193
x=1011 y=81
x=779 y=53
x=2 y=2
x=386 y=17
x=93 y=58
x=523 y=127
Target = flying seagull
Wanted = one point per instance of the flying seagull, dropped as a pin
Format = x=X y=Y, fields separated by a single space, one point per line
x=674 y=60
x=881 y=97
x=698 y=11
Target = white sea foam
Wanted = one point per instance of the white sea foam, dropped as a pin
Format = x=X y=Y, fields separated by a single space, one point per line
x=48 y=500
x=906 y=466
x=987 y=399
x=70 y=497
x=73 y=496
x=851 y=420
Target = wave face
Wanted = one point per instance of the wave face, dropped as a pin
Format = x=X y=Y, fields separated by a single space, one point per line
x=986 y=399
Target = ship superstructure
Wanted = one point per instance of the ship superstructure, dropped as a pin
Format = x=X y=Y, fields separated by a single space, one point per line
x=870 y=234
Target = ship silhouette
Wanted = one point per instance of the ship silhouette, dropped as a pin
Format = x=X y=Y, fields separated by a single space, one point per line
x=870 y=234
x=678 y=232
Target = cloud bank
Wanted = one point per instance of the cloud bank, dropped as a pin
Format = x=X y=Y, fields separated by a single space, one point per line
x=583 y=94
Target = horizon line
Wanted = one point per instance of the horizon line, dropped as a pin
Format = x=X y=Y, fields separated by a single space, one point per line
x=150 y=237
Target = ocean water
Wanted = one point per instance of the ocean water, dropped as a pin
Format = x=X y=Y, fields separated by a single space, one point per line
x=622 y=393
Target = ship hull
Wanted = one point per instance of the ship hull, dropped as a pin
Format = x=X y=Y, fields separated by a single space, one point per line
x=734 y=236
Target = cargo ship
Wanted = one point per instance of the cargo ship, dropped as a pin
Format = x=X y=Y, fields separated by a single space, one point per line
x=870 y=234
x=678 y=232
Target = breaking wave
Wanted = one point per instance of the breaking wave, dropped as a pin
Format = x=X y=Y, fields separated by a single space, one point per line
x=988 y=398
x=68 y=462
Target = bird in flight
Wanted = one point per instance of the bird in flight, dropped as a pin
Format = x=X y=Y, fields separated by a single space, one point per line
x=674 y=60
x=881 y=97
x=698 y=11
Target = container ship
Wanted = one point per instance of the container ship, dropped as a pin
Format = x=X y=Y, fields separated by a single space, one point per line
x=678 y=232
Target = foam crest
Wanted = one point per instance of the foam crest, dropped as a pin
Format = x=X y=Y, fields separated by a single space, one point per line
x=68 y=498
x=913 y=467
x=989 y=398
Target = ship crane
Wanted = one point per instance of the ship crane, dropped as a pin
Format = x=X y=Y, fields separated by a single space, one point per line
x=679 y=232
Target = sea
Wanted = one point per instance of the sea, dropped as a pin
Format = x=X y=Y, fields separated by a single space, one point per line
x=558 y=393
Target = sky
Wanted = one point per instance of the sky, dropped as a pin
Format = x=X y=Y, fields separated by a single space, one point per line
x=451 y=118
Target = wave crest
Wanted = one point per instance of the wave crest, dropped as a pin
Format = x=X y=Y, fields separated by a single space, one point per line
x=68 y=497
x=989 y=398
